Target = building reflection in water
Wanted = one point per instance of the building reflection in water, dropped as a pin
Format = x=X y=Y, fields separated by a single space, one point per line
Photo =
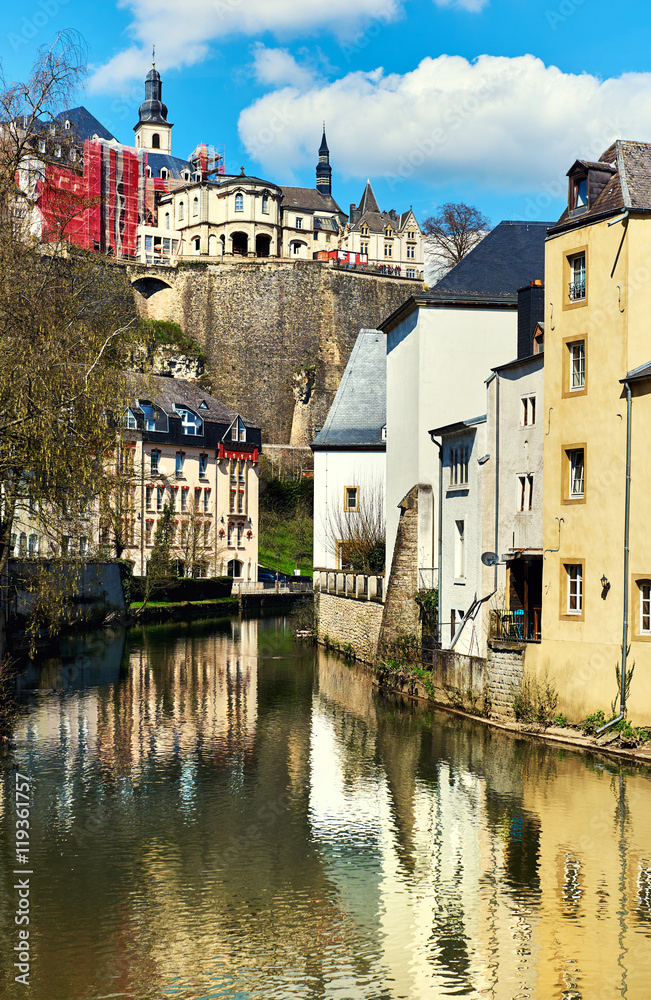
x=228 y=813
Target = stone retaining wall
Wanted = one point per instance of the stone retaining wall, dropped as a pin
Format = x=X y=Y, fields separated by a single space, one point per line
x=349 y=622
x=504 y=676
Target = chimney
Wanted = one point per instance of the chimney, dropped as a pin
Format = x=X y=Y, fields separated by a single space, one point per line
x=531 y=310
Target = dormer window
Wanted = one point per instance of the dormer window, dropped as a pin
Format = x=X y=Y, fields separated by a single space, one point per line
x=130 y=420
x=164 y=173
x=155 y=418
x=579 y=192
x=186 y=175
x=238 y=430
x=148 y=171
x=364 y=230
x=192 y=423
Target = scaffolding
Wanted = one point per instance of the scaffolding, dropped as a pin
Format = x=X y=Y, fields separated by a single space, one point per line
x=117 y=197
x=208 y=160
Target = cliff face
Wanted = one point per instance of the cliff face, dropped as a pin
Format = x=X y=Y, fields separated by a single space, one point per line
x=277 y=335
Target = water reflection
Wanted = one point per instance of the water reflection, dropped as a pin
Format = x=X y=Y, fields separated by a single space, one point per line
x=221 y=813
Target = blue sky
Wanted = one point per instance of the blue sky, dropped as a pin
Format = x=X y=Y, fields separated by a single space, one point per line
x=483 y=101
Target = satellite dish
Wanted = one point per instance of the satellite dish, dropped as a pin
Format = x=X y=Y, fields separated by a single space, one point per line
x=490 y=558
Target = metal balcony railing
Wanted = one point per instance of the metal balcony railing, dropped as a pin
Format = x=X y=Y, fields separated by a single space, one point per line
x=516 y=626
x=577 y=290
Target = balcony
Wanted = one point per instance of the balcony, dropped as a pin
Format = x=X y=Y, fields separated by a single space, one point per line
x=516 y=626
x=577 y=290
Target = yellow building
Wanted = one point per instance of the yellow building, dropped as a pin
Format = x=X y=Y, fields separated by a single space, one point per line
x=597 y=560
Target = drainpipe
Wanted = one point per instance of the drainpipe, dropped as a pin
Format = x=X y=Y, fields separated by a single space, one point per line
x=627 y=517
x=439 y=445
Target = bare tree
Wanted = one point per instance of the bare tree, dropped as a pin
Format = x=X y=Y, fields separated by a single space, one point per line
x=358 y=535
x=454 y=231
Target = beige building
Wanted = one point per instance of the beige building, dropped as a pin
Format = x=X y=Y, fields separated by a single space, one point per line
x=596 y=593
x=391 y=241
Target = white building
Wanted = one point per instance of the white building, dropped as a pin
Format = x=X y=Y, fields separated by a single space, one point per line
x=350 y=455
x=392 y=240
x=440 y=345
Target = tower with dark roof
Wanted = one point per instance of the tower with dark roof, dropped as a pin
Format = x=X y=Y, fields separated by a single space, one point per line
x=153 y=130
x=323 y=169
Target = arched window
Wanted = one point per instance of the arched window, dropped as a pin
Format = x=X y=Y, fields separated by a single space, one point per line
x=195 y=206
x=22 y=544
x=239 y=202
x=167 y=220
x=196 y=243
x=148 y=171
x=265 y=204
x=186 y=175
x=164 y=173
x=180 y=210
x=155 y=141
x=235 y=568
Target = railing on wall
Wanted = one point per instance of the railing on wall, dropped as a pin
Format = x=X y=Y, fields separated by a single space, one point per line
x=515 y=625
x=359 y=586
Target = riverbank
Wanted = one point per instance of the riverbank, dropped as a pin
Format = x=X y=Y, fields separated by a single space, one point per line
x=159 y=611
x=413 y=687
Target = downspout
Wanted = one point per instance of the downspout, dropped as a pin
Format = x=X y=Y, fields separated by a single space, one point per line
x=439 y=445
x=627 y=513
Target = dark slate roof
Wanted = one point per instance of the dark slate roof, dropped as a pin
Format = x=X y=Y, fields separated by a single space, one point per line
x=174 y=164
x=358 y=411
x=644 y=371
x=459 y=425
x=368 y=201
x=84 y=124
x=628 y=185
x=310 y=200
x=323 y=148
x=166 y=391
x=511 y=255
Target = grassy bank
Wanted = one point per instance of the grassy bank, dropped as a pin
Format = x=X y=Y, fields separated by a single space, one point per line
x=286 y=534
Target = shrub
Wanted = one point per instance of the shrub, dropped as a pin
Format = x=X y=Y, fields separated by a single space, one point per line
x=536 y=701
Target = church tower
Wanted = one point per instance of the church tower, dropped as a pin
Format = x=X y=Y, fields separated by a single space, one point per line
x=153 y=131
x=324 y=170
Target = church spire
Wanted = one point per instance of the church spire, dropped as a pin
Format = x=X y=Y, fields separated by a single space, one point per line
x=153 y=130
x=323 y=169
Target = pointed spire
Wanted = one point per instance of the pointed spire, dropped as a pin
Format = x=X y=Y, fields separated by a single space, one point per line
x=323 y=169
x=323 y=148
x=368 y=202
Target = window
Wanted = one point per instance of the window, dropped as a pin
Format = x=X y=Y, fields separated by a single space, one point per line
x=411 y=251
x=164 y=173
x=265 y=204
x=167 y=220
x=197 y=497
x=579 y=193
x=155 y=460
x=576 y=460
x=527 y=411
x=460 y=550
x=83 y=546
x=644 y=587
x=203 y=466
x=238 y=430
x=577 y=278
x=299 y=222
x=411 y=273
x=32 y=550
x=149 y=492
x=525 y=492
x=351 y=498
x=57 y=151
x=206 y=535
x=160 y=494
x=239 y=202
x=184 y=497
x=180 y=459
x=538 y=340
x=180 y=211
x=206 y=501
x=574 y=574
x=364 y=230
x=195 y=206
x=230 y=534
x=240 y=533
x=173 y=490
x=192 y=423
x=65 y=544
x=155 y=141
x=388 y=249
x=41 y=145
x=12 y=544
x=577 y=365
x=327 y=237
x=363 y=248
x=459 y=458
x=130 y=421
x=148 y=532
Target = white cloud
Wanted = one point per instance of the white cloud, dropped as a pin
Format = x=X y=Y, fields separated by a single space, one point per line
x=184 y=29
x=277 y=67
x=474 y=6
x=509 y=123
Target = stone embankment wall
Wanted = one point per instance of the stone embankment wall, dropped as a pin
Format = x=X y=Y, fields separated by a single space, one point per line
x=277 y=335
x=504 y=677
x=349 y=622
x=401 y=613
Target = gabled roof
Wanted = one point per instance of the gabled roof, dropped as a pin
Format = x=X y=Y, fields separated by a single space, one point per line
x=627 y=166
x=310 y=200
x=358 y=412
x=167 y=393
x=84 y=124
x=511 y=255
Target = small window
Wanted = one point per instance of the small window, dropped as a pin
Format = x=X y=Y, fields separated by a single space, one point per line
x=239 y=202
x=238 y=430
x=186 y=175
x=130 y=421
x=579 y=197
x=164 y=173
x=180 y=459
x=459 y=459
x=411 y=252
x=57 y=150
x=41 y=145
x=351 y=498
x=576 y=460
x=32 y=550
x=206 y=501
x=527 y=411
x=154 y=458
x=155 y=141
x=645 y=606
x=167 y=220
x=574 y=573
x=184 y=497
x=206 y=535
x=230 y=534
x=525 y=493
x=160 y=497
x=83 y=546
x=149 y=492
x=203 y=466
x=147 y=171
x=173 y=490
x=388 y=249
x=195 y=206
x=577 y=365
x=577 y=278
x=180 y=211
x=240 y=533
x=265 y=204
x=299 y=222
x=460 y=550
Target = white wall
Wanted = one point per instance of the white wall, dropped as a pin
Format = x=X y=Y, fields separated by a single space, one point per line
x=333 y=471
x=438 y=359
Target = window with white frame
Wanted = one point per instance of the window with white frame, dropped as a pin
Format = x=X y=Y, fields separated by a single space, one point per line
x=154 y=459
x=645 y=606
x=180 y=460
x=574 y=572
x=299 y=222
x=577 y=277
x=265 y=204
x=525 y=492
x=527 y=411
x=388 y=249
x=192 y=423
x=206 y=501
x=167 y=220
x=206 y=534
x=184 y=497
x=363 y=248
x=459 y=458
x=195 y=206
x=351 y=498
x=411 y=251
x=230 y=534
x=149 y=493
x=239 y=202
x=577 y=365
x=576 y=460
x=203 y=466
x=181 y=210
x=240 y=534
x=459 y=549
x=160 y=497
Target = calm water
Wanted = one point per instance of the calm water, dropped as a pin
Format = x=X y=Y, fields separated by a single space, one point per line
x=218 y=812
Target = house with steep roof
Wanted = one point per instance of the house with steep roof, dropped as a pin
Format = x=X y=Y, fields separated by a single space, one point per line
x=349 y=460
x=392 y=241
x=440 y=346
x=596 y=578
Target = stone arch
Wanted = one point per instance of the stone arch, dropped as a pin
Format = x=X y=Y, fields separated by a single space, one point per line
x=148 y=286
x=263 y=245
x=240 y=244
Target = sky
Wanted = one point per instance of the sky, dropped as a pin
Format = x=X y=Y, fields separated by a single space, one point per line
x=483 y=101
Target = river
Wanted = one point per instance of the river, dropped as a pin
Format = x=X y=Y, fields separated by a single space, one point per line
x=215 y=811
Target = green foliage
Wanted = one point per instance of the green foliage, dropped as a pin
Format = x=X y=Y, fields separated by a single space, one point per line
x=627 y=683
x=157 y=333
x=126 y=578
x=593 y=722
x=405 y=648
x=536 y=701
x=631 y=736
x=560 y=721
